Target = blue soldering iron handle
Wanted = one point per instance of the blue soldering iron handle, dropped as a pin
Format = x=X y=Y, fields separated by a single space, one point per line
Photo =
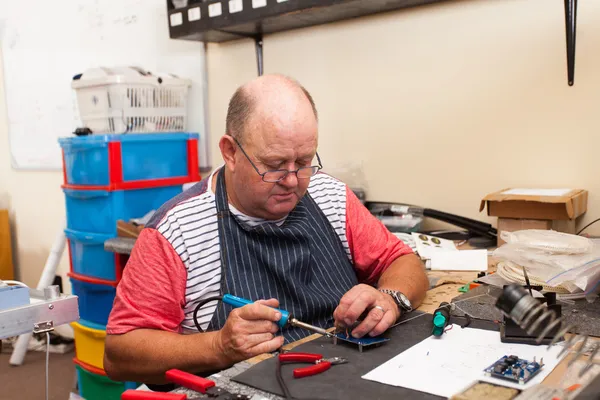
x=235 y=301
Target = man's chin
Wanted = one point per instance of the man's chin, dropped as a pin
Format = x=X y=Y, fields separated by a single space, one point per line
x=281 y=209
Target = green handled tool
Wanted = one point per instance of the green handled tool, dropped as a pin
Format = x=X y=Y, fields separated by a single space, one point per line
x=441 y=318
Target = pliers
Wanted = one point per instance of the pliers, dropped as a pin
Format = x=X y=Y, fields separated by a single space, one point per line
x=189 y=381
x=321 y=364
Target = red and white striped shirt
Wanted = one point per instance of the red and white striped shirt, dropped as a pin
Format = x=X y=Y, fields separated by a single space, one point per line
x=177 y=262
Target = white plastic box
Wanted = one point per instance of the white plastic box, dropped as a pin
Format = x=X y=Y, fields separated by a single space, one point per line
x=130 y=100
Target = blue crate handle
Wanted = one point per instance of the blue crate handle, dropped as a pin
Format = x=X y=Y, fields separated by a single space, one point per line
x=85 y=194
x=86 y=237
x=236 y=302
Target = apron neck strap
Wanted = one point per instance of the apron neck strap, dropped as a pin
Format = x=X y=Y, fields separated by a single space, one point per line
x=221 y=192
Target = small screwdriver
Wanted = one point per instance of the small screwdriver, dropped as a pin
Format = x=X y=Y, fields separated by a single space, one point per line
x=286 y=317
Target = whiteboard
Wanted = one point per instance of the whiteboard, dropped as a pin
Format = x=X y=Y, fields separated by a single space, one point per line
x=45 y=43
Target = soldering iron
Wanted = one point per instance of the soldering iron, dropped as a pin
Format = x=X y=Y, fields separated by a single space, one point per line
x=285 y=320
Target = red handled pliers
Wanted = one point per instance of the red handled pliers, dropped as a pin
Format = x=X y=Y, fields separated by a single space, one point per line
x=186 y=380
x=321 y=364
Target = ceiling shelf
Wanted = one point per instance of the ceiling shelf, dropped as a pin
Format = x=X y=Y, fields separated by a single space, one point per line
x=225 y=20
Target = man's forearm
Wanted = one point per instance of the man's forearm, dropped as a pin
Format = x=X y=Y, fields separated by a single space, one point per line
x=143 y=355
x=407 y=275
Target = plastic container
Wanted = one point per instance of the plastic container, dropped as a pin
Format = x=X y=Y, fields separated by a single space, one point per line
x=95 y=385
x=88 y=257
x=89 y=342
x=129 y=99
x=98 y=210
x=96 y=297
x=113 y=162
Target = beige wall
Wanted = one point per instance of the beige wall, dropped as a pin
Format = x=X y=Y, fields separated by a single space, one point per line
x=444 y=103
x=437 y=105
x=36 y=206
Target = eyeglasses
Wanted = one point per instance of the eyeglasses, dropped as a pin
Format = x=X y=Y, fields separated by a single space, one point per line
x=277 y=175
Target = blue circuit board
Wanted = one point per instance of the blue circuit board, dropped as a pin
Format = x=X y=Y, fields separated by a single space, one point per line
x=364 y=341
x=514 y=369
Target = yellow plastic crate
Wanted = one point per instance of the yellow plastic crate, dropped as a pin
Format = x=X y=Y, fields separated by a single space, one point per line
x=89 y=342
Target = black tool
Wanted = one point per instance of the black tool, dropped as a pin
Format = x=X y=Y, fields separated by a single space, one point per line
x=527 y=320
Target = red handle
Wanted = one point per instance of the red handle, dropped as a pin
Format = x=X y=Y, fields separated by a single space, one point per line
x=188 y=380
x=141 y=395
x=299 y=357
x=312 y=370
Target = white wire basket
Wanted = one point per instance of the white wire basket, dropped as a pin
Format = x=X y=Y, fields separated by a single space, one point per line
x=130 y=100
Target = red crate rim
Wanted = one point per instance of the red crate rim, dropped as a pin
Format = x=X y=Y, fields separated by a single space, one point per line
x=88 y=367
x=89 y=279
x=132 y=185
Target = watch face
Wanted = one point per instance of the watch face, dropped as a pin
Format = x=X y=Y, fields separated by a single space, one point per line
x=405 y=300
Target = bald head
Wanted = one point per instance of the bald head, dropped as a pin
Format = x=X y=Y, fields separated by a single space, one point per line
x=270 y=99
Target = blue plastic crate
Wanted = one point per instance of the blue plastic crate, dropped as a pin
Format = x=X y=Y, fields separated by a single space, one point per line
x=95 y=300
x=88 y=256
x=98 y=210
x=87 y=159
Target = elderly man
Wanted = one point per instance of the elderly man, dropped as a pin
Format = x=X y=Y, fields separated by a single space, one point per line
x=269 y=227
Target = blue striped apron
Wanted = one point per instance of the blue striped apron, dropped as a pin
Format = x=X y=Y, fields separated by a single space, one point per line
x=302 y=263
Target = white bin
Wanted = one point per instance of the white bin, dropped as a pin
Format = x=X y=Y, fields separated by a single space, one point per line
x=130 y=100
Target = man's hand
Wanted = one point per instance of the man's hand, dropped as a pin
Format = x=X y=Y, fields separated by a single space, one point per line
x=249 y=331
x=381 y=308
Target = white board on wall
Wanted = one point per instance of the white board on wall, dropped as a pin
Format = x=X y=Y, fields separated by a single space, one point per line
x=45 y=43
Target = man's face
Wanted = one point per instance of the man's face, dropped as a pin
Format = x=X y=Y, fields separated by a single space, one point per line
x=271 y=145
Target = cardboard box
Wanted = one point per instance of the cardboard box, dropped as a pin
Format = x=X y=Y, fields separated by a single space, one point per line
x=540 y=204
x=519 y=209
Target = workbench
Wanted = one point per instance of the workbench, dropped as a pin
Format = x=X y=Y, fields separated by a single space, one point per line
x=444 y=287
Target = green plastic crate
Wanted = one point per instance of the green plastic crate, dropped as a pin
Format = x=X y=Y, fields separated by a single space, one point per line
x=97 y=386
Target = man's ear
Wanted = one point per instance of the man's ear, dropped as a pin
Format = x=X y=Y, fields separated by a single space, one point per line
x=228 y=150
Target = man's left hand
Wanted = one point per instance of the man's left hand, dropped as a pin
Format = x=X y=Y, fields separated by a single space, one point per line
x=382 y=311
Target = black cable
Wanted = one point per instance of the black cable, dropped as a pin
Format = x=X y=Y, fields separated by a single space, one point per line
x=286 y=391
x=588 y=225
x=199 y=305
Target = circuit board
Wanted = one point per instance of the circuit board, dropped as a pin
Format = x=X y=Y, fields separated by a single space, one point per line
x=514 y=369
x=360 y=342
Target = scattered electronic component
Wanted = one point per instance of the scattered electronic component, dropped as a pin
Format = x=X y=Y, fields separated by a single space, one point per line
x=360 y=342
x=514 y=369
x=541 y=392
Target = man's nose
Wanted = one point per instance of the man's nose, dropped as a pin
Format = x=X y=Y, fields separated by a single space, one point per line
x=290 y=181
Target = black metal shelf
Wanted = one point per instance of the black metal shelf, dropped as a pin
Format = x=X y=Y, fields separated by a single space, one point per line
x=272 y=18
x=197 y=22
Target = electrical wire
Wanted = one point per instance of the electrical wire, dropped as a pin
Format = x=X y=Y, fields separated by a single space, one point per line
x=286 y=391
x=199 y=306
x=588 y=225
x=449 y=305
x=47 y=360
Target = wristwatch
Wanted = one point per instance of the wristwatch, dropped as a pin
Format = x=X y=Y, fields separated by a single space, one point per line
x=399 y=298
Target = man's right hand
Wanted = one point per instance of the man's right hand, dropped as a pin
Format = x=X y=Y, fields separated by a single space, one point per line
x=250 y=331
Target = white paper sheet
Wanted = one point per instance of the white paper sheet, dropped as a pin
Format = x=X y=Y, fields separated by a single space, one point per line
x=445 y=366
x=463 y=260
x=537 y=192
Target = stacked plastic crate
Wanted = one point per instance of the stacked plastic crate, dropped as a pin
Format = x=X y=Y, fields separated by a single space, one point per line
x=111 y=177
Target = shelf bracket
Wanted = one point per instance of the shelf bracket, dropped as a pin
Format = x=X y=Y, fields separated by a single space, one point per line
x=258 y=42
x=571 y=28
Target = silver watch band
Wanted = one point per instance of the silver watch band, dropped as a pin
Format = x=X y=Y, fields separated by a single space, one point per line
x=399 y=298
